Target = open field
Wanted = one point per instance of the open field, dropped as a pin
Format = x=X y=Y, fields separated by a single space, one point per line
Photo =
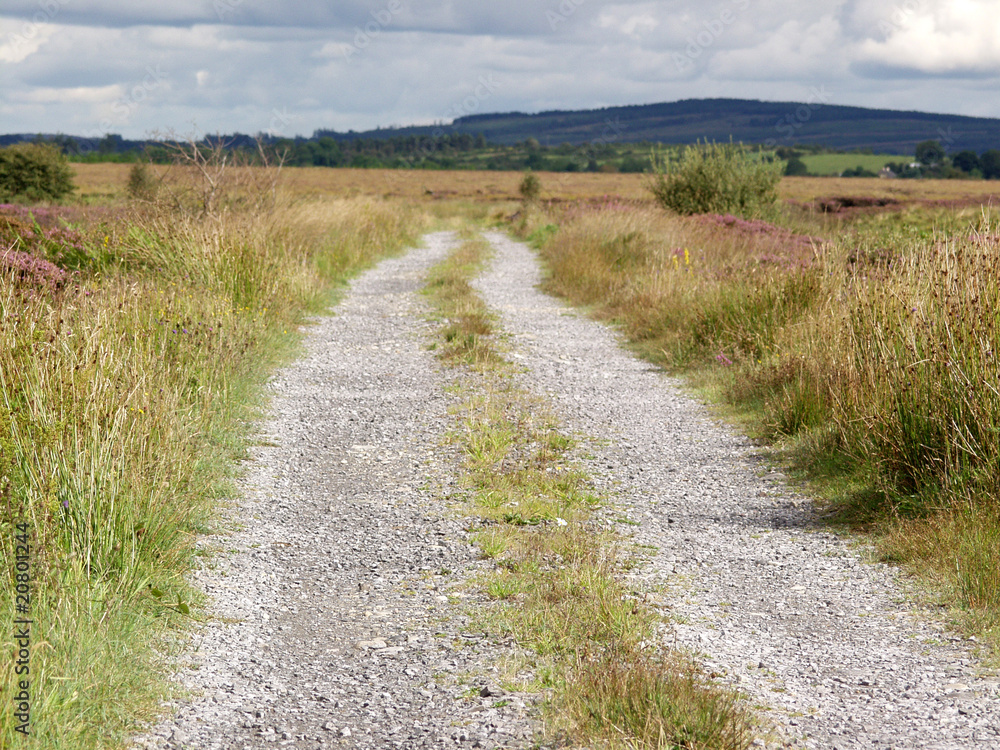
x=105 y=181
x=108 y=180
x=834 y=164
x=959 y=192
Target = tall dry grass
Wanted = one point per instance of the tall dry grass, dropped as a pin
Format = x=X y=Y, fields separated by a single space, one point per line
x=870 y=357
x=687 y=289
x=125 y=391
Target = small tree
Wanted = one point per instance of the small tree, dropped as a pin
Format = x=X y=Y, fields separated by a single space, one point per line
x=142 y=185
x=796 y=167
x=967 y=161
x=34 y=172
x=990 y=164
x=530 y=187
x=929 y=152
x=715 y=178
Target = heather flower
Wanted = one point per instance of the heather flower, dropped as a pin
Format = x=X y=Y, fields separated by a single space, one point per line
x=793 y=250
x=31 y=271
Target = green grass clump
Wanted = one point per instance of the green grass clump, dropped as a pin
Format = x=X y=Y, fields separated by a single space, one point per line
x=467 y=323
x=658 y=700
x=924 y=330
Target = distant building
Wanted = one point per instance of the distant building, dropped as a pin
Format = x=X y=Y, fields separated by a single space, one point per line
x=887 y=174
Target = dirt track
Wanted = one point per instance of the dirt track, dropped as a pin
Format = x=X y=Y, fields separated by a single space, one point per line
x=343 y=603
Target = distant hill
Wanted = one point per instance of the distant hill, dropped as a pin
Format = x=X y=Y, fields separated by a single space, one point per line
x=749 y=121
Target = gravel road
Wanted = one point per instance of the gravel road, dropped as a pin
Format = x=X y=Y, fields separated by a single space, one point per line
x=342 y=595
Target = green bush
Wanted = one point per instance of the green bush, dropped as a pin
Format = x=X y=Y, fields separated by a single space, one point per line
x=796 y=168
x=142 y=185
x=715 y=178
x=858 y=171
x=34 y=172
x=530 y=187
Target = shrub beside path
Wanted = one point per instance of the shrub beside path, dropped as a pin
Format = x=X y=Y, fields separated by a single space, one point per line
x=749 y=579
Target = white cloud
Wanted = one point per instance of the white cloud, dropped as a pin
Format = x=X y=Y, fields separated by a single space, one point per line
x=338 y=50
x=941 y=38
x=628 y=20
x=78 y=94
x=23 y=39
x=793 y=51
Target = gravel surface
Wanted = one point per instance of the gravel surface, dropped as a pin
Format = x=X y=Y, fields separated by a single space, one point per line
x=341 y=601
x=754 y=586
x=340 y=606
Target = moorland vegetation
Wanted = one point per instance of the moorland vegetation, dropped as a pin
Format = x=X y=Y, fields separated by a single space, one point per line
x=858 y=339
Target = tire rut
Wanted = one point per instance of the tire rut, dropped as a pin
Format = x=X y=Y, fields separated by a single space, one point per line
x=340 y=606
x=825 y=643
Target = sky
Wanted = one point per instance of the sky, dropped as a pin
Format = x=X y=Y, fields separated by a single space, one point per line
x=195 y=67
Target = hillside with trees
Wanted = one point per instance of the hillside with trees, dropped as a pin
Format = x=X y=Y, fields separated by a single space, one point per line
x=749 y=121
x=619 y=139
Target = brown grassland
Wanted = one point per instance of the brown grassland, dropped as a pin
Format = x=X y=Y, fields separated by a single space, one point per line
x=108 y=180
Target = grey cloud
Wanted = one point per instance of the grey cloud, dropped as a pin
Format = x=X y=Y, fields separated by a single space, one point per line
x=883 y=71
x=515 y=18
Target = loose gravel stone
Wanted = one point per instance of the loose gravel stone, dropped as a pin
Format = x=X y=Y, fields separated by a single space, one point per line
x=751 y=581
x=340 y=601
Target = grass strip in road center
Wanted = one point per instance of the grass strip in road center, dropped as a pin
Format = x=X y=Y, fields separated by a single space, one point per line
x=558 y=579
